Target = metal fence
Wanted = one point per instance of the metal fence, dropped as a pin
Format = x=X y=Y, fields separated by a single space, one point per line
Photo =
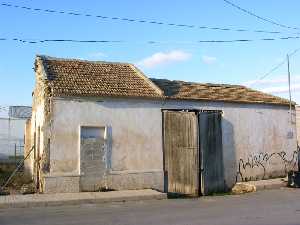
x=14 y=152
x=11 y=137
x=19 y=151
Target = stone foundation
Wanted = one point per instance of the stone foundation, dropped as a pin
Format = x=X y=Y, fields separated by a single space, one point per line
x=60 y=184
x=124 y=180
x=116 y=180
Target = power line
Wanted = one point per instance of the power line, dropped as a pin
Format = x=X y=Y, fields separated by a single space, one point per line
x=260 y=17
x=275 y=67
x=37 y=41
x=153 y=22
x=41 y=41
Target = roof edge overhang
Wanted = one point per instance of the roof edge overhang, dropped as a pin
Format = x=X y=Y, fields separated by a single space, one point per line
x=95 y=98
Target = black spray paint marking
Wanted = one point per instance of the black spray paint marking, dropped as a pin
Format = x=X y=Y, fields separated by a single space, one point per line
x=262 y=159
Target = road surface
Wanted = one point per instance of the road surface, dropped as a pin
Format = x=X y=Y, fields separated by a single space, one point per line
x=272 y=207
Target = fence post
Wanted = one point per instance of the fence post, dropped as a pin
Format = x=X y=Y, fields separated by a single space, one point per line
x=15 y=154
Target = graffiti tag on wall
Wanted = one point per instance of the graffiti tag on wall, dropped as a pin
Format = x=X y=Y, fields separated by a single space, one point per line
x=266 y=165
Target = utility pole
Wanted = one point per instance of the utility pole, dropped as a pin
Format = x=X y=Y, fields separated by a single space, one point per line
x=289 y=81
x=9 y=135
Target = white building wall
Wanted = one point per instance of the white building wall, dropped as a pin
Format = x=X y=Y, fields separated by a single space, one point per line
x=134 y=134
x=11 y=134
x=298 y=123
x=259 y=141
x=37 y=123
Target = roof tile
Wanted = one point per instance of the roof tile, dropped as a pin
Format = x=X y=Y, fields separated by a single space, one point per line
x=215 y=92
x=71 y=77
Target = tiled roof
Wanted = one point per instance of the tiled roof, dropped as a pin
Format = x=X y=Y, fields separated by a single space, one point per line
x=215 y=92
x=72 y=77
x=68 y=77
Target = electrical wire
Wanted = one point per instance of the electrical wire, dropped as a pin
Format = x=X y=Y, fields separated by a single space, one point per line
x=275 y=67
x=260 y=17
x=36 y=41
x=40 y=41
x=153 y=22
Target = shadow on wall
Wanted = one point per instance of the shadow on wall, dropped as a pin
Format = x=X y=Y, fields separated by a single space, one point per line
x=229 y=154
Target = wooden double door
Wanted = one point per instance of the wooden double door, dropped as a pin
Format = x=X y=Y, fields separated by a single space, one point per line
x=193 y=156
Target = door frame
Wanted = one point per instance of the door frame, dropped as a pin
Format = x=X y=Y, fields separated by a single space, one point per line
x=197 y=111
x=82 y=175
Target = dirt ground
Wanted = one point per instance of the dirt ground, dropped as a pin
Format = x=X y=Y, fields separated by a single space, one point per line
x=16 y=183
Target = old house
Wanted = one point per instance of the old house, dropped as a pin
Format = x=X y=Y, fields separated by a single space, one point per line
x=101 y=125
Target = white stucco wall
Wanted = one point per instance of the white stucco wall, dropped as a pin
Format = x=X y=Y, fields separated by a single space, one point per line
x=136 y=134
x=134 y=139
x=37 y=122
x=298 y=123
x=258 y=140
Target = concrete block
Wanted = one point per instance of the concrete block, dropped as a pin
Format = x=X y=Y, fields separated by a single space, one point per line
x=136 y=180
x=61 y=184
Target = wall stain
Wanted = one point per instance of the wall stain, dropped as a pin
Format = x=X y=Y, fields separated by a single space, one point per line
x=261 y=160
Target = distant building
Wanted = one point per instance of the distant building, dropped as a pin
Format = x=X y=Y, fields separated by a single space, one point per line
x=99 y=125
x=12 y=128
x=20 y=112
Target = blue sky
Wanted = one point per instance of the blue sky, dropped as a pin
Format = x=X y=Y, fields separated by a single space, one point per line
x=178 y=57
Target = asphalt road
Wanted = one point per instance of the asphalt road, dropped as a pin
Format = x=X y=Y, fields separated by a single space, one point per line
x=270 y=207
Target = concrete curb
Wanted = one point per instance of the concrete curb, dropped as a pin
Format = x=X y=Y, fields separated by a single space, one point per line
x=253 y=186
x=269 y=184
x=43 y=200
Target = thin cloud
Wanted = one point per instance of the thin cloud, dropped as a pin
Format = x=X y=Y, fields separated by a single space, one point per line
x=282 y=89
x=97 y=55
x=276 y=80
x=276 y=85
x=161 y=58
x=208 y=59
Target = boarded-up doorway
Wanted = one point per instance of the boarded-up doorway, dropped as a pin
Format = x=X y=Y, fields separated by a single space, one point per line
x=92 y=153
x=193 y=157
x=181 y=152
